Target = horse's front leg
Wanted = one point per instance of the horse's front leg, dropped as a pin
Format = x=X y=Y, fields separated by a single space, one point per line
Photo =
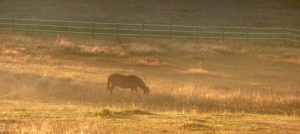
x=109 y=90
x=133 y=90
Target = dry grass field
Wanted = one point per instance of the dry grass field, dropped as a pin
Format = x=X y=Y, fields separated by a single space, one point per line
x=56 y=83
x=34 y=117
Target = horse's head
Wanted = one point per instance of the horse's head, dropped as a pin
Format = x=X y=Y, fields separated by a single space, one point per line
x=146 y=90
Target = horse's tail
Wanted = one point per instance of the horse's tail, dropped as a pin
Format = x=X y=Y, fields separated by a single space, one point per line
x=108 y=83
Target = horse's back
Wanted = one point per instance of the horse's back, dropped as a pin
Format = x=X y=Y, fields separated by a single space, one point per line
x=115 y=76
x=125 y=80
x=120 y=76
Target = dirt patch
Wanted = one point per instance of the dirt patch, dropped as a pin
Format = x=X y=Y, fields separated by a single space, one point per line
x=15 y=37
x=97 y=50
x=290 y=58
x=10 y=121
x=144 y=48
x=208 y=48
x=107 y=112
x=286 y=58
x=196 y=127
x=10 y=52
x=198 y=71
x=150 y=62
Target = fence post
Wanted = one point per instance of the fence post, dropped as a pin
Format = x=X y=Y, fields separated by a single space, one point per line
x=38 y=25
x=2 y=26
x=66 y=26
x=284 y=36
x=247 y=35
x=93 y=30
x=170 y=32
x=143 y=31
x=196 y=32
x=13 y=23
x=118 y=38
x=223 y=35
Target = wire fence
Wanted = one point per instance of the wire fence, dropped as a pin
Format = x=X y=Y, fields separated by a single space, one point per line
x=151 y=30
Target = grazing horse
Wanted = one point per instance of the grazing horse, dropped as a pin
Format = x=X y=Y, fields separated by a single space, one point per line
x=123 y=81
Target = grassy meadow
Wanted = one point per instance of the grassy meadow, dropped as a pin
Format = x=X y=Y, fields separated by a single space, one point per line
x=34 y=117
x=196 y=86
x=56 y=83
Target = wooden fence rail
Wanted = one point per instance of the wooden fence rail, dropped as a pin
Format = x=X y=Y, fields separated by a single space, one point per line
x=151 y=30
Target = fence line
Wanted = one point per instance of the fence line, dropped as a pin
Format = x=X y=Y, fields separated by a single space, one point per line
x=151 y=30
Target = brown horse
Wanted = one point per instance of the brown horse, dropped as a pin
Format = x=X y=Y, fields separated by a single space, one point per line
x=123 y=81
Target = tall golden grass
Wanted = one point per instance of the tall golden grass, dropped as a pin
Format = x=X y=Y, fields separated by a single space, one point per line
x=66 y=70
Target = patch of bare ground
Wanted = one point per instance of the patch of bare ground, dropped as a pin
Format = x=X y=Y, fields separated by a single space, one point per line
x=148 y=61
x=205 y=48
x=290 y=58
x=198 y=71
x=285 y=58
x=143 y=48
